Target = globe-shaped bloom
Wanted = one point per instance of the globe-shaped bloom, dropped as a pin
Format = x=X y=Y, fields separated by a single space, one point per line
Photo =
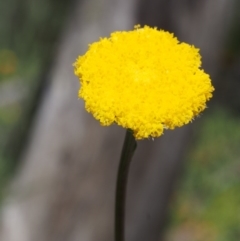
x=144 y=80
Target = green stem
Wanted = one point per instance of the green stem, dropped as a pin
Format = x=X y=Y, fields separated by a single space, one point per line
x=129 y=147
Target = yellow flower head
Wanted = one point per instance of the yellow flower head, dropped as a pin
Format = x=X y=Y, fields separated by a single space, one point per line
x=143 y=80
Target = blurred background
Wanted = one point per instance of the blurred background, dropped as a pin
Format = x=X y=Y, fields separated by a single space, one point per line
x=58 y=165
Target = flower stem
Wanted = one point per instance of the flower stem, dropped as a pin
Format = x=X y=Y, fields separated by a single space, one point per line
x=129 y=147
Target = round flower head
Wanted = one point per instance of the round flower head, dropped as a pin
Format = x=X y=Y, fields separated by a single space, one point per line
x=143 y=80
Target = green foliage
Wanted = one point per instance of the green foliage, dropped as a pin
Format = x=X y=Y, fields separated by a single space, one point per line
x=208 y=198
x=28 y=30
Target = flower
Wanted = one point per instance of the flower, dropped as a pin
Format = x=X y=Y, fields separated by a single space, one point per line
x=144 y=80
